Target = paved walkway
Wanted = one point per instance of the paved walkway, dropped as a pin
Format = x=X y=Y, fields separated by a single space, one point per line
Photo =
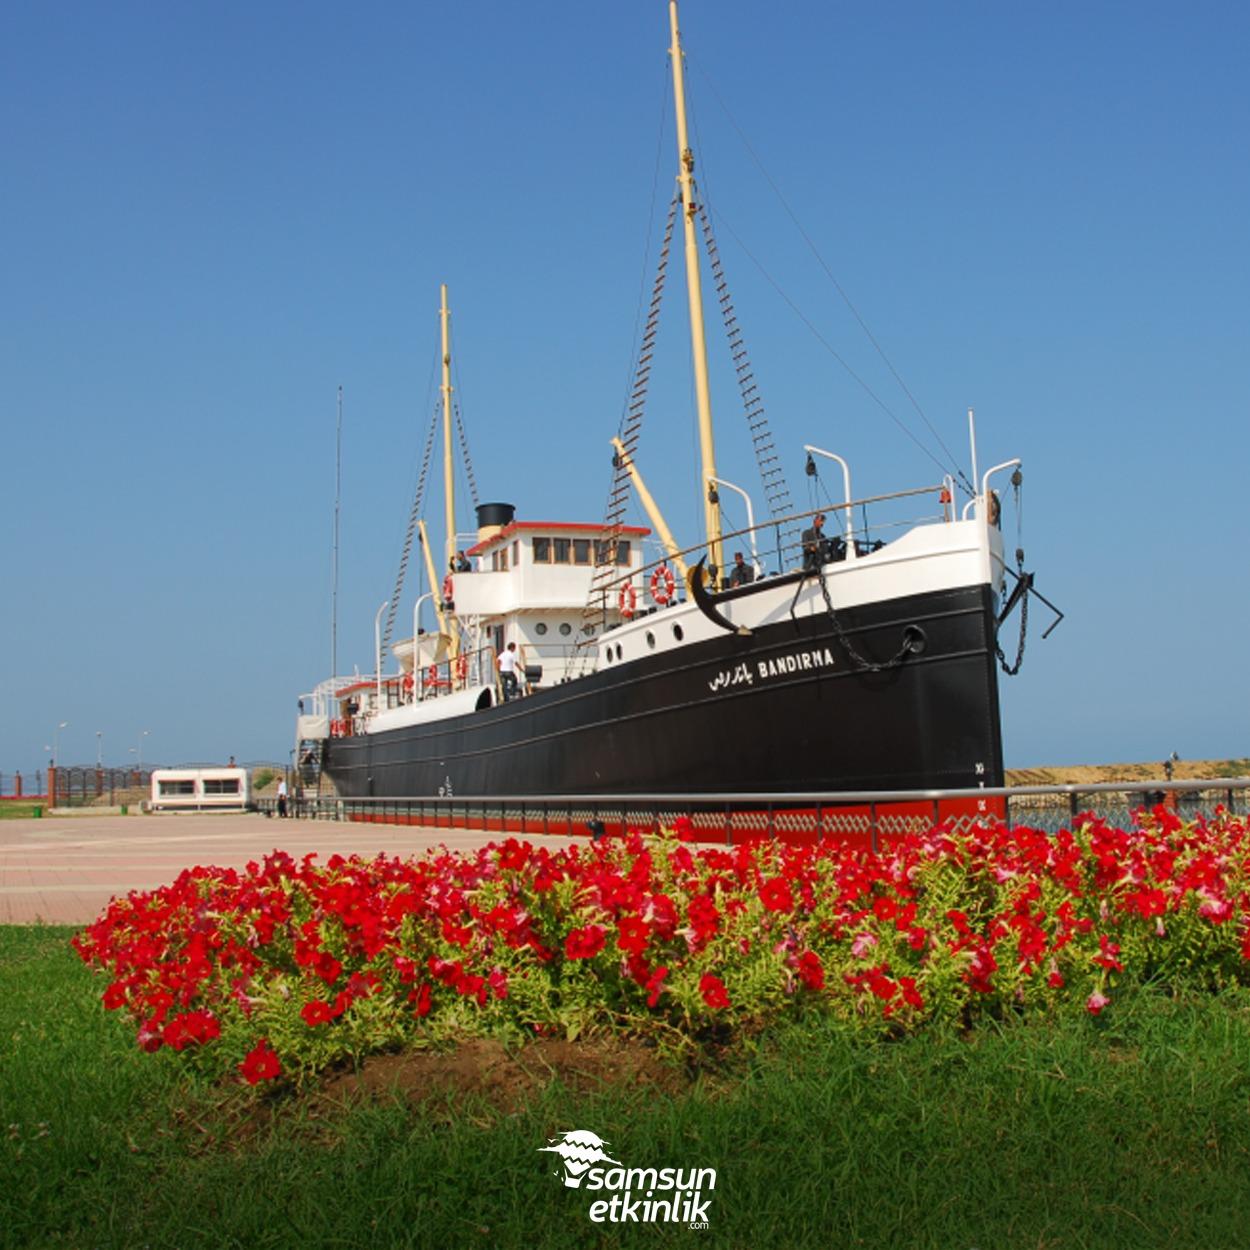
x=64 y=870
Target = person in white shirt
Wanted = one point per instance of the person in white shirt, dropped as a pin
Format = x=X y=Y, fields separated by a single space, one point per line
x=509 y=665
x=282 y=797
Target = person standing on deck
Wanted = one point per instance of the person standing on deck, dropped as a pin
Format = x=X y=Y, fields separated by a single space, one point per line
x=508 y=664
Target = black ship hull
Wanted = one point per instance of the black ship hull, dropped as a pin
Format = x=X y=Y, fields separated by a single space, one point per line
x=787 y=708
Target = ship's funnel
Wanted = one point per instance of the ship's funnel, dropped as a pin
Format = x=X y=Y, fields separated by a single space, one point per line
x=492 y=517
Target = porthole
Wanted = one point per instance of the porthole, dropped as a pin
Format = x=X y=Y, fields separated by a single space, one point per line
x=607 y=654
x=541 y=628
x=651 y=640
x=678 y=632
x=618 y=650
x=565 y=629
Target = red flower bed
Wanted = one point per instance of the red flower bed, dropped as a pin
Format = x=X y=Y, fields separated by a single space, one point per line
x=289 y=966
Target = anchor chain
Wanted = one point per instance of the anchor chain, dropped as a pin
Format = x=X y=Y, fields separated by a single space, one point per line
x=1012 y=669
x=912 y=645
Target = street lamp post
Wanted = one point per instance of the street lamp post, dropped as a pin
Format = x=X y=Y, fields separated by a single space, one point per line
x=99 y=749
x=139 y=752
x=56 y=742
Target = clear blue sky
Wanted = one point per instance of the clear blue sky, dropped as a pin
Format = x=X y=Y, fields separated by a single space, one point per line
x=214 y=215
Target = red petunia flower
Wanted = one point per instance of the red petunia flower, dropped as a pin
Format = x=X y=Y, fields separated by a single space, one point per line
x=811 y=970
x=655 y=985
x=775 y=895
x=632 y=934
x=683 y=827
x=316 y=1012
x=713 y=990
x=584 y=943
x=261 y=1063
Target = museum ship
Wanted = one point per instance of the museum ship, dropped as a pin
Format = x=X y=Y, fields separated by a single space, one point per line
x=841 y=663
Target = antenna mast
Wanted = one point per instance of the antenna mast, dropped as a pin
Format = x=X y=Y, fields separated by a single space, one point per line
x=694 y=290
x=449 y=485
x=334 y=561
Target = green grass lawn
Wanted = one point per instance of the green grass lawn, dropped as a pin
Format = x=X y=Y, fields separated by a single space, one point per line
x=1131 y=1130
x=21 y=809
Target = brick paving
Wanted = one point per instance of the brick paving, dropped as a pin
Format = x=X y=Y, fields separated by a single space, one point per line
x=64 y=870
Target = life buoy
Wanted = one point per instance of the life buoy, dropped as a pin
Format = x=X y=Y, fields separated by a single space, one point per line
x=663 y=584
x=407 y=683
x=336 y=729
x=627 y=600
x=431 y=676
x=449 y=588
x=462 y=669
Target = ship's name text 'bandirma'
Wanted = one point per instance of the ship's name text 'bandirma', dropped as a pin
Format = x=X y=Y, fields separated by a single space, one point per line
x=818 y=657
x=798 y=662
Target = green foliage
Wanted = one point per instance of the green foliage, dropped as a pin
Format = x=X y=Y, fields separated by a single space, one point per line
x=1058 y=1130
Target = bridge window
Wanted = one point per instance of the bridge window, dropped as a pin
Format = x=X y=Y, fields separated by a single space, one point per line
x=542 y=550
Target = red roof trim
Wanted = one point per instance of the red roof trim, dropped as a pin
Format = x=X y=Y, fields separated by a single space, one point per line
x=516 y=527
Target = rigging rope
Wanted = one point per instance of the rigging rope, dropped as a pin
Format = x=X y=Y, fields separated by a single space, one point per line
x=772 y=476
x=464 y=451
x=417 y=499
x=846 y=299
x=595 y=612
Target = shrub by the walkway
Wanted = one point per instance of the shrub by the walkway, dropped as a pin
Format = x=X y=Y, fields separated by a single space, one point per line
x=289 y=966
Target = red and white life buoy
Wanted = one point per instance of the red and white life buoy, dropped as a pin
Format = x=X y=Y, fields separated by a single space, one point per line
x=663 y=585
x=337 y=729
x=431 y=677
x=626 y=600
x=462 y=669
x=449 y=588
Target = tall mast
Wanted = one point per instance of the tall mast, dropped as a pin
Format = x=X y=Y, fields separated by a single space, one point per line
x=449 y=480
x=449 y=485
x=334 y=561
x=698 y=342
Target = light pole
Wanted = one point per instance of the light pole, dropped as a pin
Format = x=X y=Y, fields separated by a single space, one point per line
x=56 y=741
x=139 y=752
x=755 y=555
x=99 y=749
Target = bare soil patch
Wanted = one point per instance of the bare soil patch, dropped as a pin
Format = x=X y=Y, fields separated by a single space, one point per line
x=508 y=1079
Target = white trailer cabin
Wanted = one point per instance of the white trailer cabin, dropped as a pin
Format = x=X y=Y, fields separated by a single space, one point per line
x=201 y=789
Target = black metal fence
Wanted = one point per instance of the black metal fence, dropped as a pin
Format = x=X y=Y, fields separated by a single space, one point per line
x=19 y=785
x=82 y=786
